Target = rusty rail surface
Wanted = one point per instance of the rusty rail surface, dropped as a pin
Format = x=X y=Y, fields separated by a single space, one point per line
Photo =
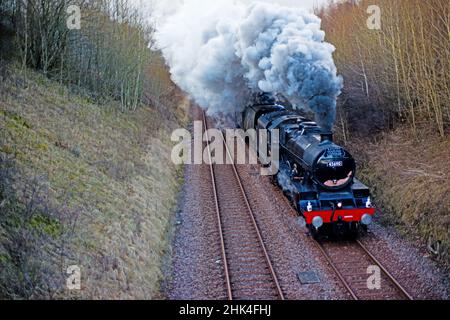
x=249 y=272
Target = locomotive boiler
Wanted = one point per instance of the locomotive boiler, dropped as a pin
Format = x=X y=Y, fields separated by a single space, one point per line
x=318 y=175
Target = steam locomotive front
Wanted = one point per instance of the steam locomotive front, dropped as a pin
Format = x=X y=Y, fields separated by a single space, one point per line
x=335 y=201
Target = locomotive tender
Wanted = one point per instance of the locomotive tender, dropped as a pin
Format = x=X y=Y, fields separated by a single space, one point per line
x=314 y=172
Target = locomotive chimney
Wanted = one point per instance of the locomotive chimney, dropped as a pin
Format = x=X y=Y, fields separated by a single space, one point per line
x=326 y=136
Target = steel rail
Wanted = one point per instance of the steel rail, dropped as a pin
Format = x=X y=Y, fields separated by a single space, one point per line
x=389 y=275
x=373 y=259
x=249 y=210
x=336 y=271
x=366 y=251
x=219 y=220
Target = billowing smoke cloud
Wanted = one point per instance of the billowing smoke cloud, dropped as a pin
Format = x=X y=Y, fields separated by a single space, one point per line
x=221 y=53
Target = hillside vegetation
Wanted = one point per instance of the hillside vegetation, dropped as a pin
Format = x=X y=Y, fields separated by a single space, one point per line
x=81 y=185
x=394 y=112
x=104 y=52
x=85 y=172
x=404 y=67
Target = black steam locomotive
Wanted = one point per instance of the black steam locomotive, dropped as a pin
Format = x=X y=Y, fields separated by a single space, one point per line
x=316 y=174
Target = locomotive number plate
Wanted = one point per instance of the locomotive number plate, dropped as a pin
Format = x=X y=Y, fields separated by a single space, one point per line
x=335 y=164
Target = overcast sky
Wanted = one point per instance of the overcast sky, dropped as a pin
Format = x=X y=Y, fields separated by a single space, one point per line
x=309 y=4
x=295 y=3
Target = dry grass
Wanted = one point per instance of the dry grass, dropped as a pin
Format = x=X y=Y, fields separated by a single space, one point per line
x=409 y=179
x=112 y=168
x=396 y=92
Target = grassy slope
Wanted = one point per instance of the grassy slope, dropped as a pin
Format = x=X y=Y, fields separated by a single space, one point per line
x=399 y=68
x=409 y=178
x=110 y=172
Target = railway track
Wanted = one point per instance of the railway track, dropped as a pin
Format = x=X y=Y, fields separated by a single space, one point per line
x=350 y=261
x=249 y=273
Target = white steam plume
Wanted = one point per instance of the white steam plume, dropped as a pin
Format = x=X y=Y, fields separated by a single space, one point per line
x=221 y=52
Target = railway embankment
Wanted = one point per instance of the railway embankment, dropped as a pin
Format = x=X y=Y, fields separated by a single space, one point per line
x=82 y=185
x=408 y=175
x=394 y=112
